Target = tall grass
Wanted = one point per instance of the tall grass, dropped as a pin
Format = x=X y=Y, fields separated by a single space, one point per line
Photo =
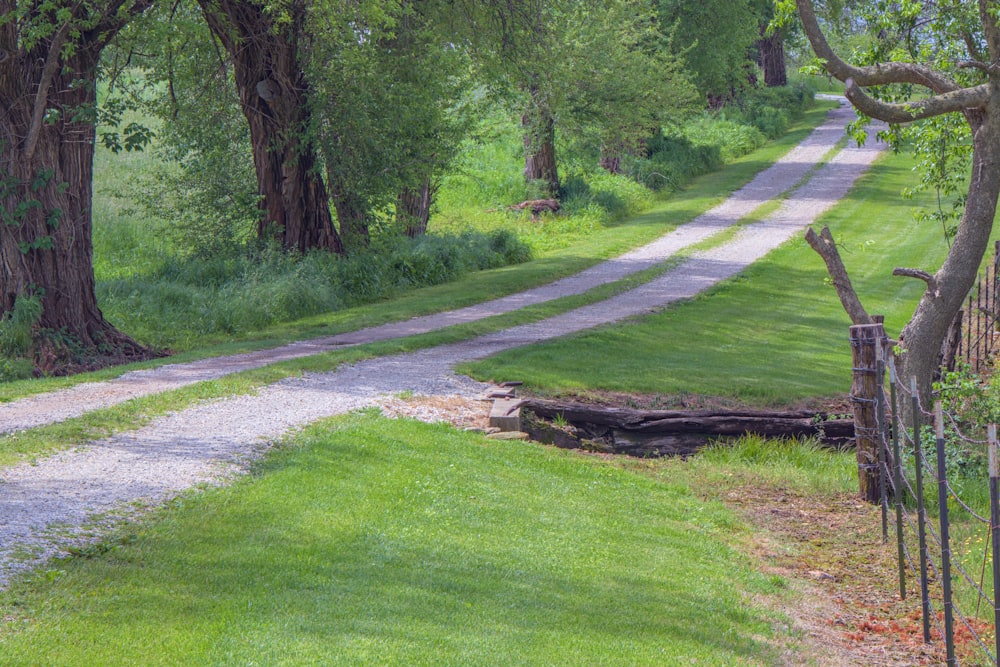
x=187 y=299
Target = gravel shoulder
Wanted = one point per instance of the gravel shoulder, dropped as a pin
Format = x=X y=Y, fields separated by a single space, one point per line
x=47 y=504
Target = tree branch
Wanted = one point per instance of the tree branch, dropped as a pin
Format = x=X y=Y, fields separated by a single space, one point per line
x=936 y=105
x=932 y=286
x=871 y=75
x=827 y=249
x=42 y=95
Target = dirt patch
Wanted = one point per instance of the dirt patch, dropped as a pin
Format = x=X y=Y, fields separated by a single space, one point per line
x=830 y=549
x=464 y=413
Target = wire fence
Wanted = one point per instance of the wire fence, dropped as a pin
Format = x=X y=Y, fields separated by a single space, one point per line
x=975 y=337
x=946 y=521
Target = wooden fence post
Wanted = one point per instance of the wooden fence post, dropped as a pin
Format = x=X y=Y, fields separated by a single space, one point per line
x=867 y=343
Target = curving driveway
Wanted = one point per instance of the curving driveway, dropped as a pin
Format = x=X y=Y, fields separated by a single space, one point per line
x=44 y=505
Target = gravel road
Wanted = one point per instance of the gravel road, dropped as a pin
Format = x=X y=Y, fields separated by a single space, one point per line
x=48 y=504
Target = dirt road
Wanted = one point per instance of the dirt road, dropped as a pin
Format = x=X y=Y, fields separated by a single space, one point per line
x=45 y=505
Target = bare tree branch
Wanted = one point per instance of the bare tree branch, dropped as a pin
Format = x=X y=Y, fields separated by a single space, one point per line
x=827 y=249
x=872 y=75
x=936 y=105
x=932 y=286
x=42 y=95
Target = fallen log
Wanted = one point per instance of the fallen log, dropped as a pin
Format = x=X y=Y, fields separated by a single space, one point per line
x=537 y=206
x=670 y=432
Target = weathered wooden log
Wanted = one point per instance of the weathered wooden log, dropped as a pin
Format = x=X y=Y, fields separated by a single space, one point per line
x=537 y=206
x=671 y=432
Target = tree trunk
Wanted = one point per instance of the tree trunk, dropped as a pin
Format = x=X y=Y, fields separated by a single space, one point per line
x=352 y=216
x=46 y=187
x=772 y=58
x=273 y=91
x=540 y=146
x=413 y=209
x=922 y=338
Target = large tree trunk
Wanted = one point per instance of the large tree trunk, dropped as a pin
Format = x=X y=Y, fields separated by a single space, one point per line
x=923 y=336
x=772 y=58
x=352 y=216
x=540 y=146
x=46 y=188
x=273 y=90
x=413 y=209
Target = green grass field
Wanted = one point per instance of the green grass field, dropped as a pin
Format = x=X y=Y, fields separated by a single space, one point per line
x=774 y=334
x=368 y=541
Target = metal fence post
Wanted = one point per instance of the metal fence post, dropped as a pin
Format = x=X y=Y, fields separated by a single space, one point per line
x=897 y=479
x=883 y=443
x=994 y=528
x=918 y=456
x=942 y=482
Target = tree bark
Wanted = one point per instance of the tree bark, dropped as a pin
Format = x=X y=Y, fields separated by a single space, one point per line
x=273 y=91
x=772 y=58
x=540 y=146
x=413 y=209
x=46 y=182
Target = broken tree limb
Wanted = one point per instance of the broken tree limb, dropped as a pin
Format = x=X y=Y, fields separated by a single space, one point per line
x=932 y=286
x=825 y=246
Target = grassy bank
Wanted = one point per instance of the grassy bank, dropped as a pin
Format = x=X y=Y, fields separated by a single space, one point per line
x=368 y=541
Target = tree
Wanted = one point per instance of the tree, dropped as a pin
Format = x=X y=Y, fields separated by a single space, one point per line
x=386 y=81
x=168 y=64
x=770 y=46
x=926 y=41
x=714 y=37
x=49 y=57
x=263 y=41
x=603 y=69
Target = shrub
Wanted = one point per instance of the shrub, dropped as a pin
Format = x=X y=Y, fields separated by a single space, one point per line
x=17 y=326
x=244 y=292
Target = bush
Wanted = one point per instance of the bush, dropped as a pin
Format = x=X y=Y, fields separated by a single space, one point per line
x=244 y=292
x=18 y=324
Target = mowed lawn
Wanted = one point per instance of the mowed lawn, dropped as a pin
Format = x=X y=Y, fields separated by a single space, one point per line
x=365 y=541
x=774 y=334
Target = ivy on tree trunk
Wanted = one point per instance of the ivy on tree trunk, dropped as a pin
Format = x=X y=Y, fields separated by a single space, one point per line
x=47 y=134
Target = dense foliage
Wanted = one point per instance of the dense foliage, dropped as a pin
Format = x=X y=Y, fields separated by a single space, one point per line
x=345 y=126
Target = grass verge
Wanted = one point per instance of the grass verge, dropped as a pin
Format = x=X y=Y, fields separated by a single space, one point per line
x=370 y=541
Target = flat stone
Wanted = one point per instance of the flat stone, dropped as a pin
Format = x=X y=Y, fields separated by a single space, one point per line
x=509 y=435
x=506 y=414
